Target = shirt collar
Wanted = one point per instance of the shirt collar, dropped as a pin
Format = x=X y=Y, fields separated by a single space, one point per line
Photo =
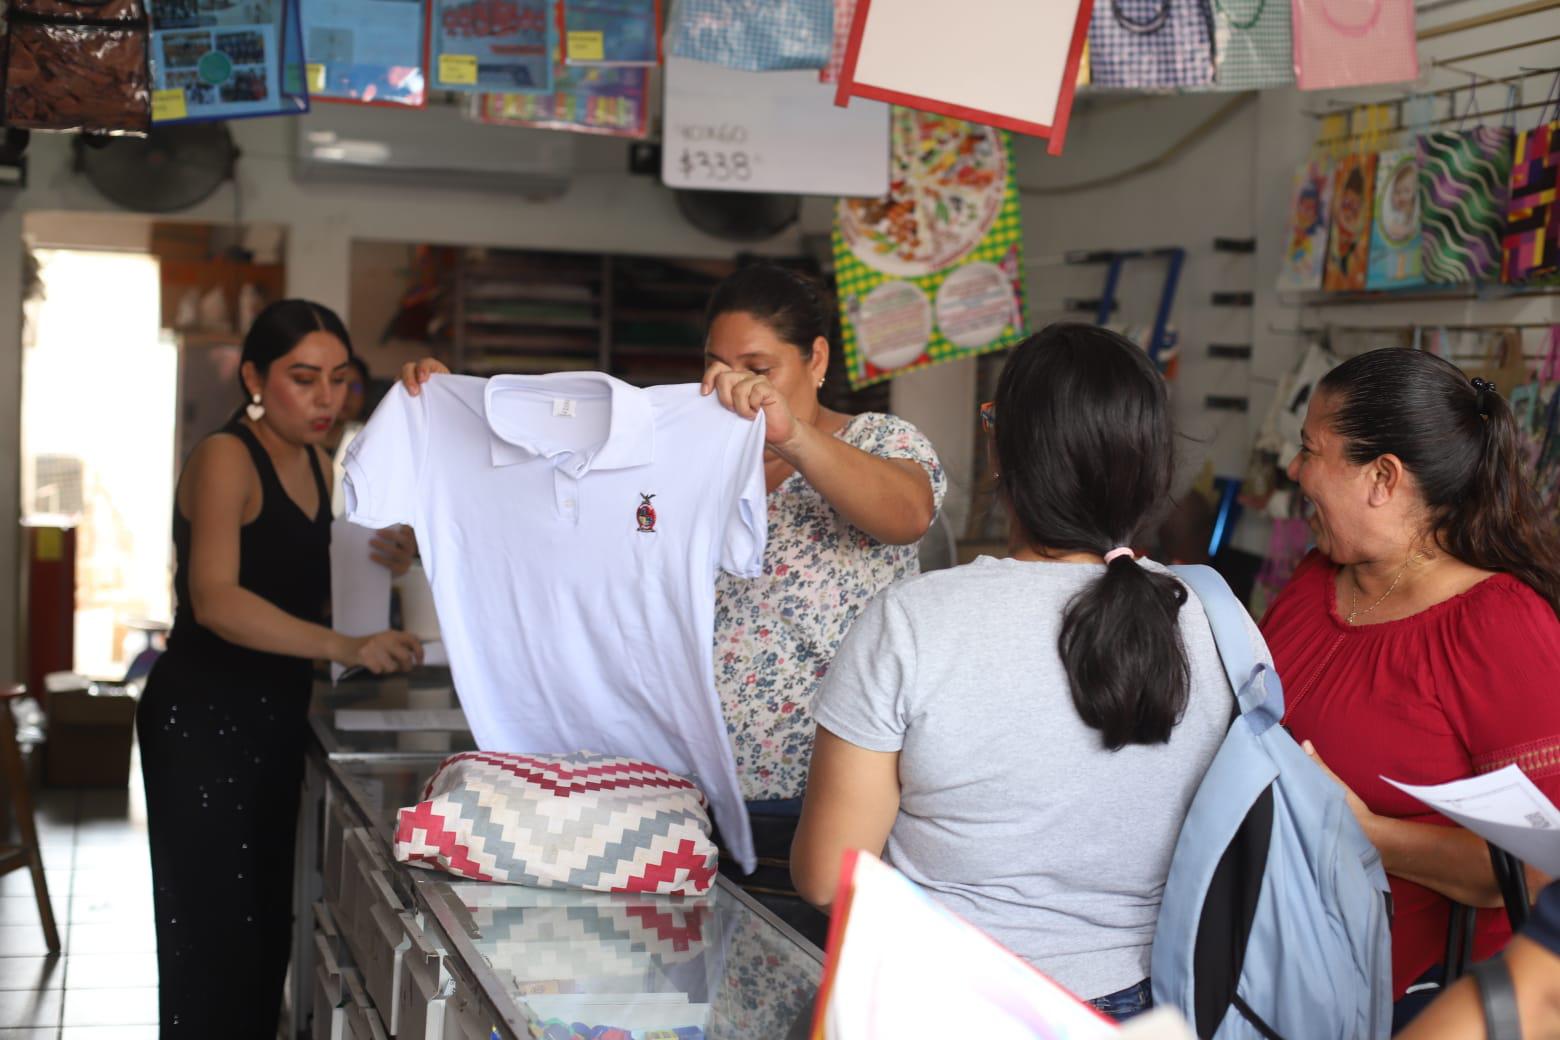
x=630 y=433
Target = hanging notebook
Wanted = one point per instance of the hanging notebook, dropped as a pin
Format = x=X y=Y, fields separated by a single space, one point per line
x=227 y=63
x=610 y=32
x=367 y=51
x=1353 y=43
x=1305 y=251
x=1530 y=248
x=1151 y=44
x=1464 y=184
x=1253 y=47
x=1348 y=244
x=1394 y=235
x=1011 y=64
x=495 y=47
x=755 y=35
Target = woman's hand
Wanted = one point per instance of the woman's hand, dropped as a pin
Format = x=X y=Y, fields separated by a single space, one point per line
x=381 y=653
x=748 y=394
x=393 y=548
x=415 y=373
x=1361 y=811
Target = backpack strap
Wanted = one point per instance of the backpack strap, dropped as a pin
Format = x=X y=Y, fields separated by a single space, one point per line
x=1256 y=686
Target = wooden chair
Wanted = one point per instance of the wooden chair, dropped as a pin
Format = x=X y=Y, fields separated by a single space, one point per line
x=27 y=854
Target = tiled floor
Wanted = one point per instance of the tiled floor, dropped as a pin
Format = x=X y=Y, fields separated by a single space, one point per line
x=104 y=985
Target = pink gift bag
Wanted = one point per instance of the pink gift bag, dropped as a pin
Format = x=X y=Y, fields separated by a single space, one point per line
x=1354 y=43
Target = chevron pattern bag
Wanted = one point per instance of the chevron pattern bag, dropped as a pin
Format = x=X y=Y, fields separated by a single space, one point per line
x=580 y=821
x=1464 y=183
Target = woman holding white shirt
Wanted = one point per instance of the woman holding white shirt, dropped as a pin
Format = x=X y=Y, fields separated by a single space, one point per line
x=849 y=499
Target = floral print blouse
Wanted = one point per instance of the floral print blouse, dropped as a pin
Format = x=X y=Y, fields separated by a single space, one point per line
x=776 y=634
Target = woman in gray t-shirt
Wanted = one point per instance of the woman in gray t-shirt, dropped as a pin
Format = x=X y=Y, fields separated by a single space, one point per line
x=1022 y=737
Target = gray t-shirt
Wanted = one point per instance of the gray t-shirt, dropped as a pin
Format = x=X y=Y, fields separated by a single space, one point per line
x=1012 y=813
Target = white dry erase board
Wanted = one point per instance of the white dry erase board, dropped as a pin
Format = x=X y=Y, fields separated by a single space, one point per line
x=1006 y=63
x=728 y=130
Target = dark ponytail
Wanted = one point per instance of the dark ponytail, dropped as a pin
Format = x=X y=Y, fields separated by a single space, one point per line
x=1085 y=453
x=1461 y=443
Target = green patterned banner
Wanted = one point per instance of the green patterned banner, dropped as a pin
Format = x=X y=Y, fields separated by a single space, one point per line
x=933 y=271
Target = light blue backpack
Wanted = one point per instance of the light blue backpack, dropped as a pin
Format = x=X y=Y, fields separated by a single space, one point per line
x=1276 y=920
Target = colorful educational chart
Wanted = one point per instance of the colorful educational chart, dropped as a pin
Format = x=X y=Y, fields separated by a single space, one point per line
x=1348 y=244
x=610 y=32
x=226 y=59
x=1394 y=234
x=369 y=51
x=493 y=46
x=1305 y=253
x=586 y=100
x=933 y=271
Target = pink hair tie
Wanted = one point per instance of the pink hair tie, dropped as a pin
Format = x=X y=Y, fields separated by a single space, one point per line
x=1117 y=553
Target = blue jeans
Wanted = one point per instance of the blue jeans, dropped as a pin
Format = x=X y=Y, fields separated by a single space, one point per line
x=1126 y=1003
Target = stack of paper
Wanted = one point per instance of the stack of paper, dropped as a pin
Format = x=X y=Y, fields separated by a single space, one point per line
x=1505 y=809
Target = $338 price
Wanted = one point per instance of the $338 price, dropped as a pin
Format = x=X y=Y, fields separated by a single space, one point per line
x=716 y=165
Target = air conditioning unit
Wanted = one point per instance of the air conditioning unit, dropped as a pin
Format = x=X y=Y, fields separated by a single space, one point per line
x=435 y=147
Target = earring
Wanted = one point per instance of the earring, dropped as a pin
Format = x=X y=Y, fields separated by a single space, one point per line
x=821 y=381
x=255 y=410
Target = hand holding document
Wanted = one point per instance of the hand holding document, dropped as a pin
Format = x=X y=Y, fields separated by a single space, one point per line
x=901 y=965
x=1504 y=808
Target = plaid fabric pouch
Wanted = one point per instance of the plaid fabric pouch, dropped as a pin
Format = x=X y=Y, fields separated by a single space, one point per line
x=755 y=35
x=1151 y=44
x=1253 y=47
x=581 y=821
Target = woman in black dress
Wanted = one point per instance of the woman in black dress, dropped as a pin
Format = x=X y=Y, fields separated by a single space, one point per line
x=222 y=721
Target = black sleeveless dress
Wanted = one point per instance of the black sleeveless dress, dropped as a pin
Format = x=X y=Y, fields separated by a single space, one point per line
x=222 y=731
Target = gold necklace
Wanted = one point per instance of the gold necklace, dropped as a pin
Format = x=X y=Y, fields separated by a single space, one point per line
x=1354 y=595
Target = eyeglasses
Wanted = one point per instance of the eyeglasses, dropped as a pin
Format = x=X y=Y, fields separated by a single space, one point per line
x=988 y=415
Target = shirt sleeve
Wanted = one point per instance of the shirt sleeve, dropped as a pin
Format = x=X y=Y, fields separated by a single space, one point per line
x=866 y=696
x=747 y=514
x=891 y=437
x=1500 y=695
x=384 y=463
x=1543 y=926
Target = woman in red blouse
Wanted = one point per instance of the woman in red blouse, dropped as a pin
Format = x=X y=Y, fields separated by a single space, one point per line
x=1421 y=640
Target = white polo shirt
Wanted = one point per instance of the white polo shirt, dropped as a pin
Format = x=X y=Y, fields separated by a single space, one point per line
x=572 y=526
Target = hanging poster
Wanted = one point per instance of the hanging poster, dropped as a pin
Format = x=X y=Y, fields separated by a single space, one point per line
x=1006 y=63
x=1464 y=186
x=493 y=46
x=1305 y=252
x=1348 y=243
x=933 y=271
x=369 y=51
x=1394 y=231
x=755 y=35
x=1531 y=245
x=610 y=32
x=585 y=100
x=226 y=59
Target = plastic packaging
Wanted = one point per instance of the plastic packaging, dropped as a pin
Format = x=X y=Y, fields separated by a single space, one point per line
x=78 y=66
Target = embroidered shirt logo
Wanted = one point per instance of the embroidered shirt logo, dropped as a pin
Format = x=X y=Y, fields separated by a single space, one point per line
x=645 y=514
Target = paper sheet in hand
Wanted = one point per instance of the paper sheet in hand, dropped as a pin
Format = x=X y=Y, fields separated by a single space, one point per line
x=1505 y=809
x=898 y=961
x=359 y=587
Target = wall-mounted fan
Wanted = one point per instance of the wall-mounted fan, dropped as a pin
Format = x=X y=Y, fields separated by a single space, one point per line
x=170 y=169
x=738 y=216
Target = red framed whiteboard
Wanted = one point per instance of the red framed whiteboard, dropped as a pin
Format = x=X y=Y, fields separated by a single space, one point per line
x=1006 y=63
